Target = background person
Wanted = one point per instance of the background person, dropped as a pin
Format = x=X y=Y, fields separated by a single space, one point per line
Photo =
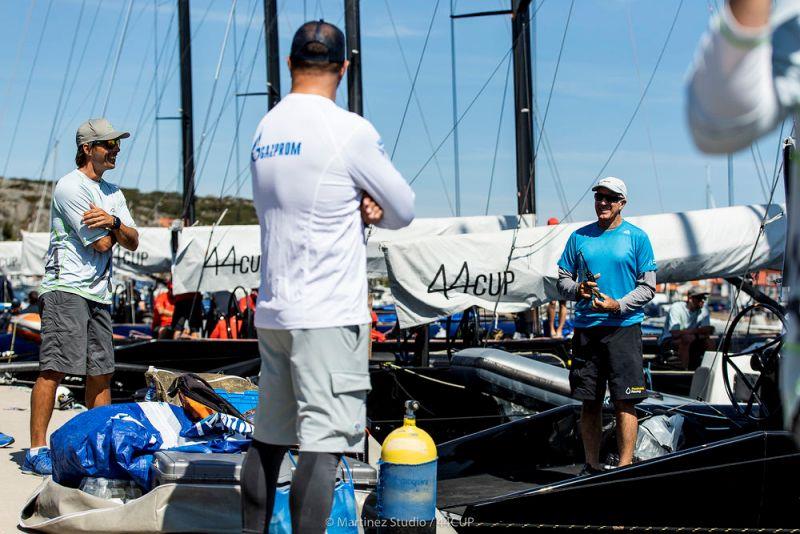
x=687 y=329
x=33 y=303
x=163 y=310
x=316 y=169
x=88 y=216
x=556 y=329
x=607 y=341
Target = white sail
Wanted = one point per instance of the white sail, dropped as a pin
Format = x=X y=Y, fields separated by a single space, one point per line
x=436 y=277
x=10 y=257
x=231 y=256
x=153 y=255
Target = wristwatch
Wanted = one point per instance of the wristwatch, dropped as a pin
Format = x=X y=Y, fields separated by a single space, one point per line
x=117 y=223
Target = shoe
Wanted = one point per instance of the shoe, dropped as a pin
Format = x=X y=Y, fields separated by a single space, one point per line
x=589 y=470
x=5 y=440
x=39 y=464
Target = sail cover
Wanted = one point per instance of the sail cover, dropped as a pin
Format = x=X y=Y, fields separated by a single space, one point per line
x=10 y=257
x=438 y=276
x=224 y=257
x=153 y=255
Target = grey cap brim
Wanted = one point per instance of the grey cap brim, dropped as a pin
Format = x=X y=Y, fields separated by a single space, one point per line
x=114 y=135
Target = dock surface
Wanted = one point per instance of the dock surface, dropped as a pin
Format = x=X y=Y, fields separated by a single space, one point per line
x=15 y=486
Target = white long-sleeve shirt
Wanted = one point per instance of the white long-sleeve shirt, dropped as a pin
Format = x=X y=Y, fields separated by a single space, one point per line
x=311 y=162
x=744 y=80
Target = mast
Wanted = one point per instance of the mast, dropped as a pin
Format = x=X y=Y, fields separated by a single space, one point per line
x=352 y=30
x=273 y=54
x=523 y=106
x=454 y=100
x=187 y=130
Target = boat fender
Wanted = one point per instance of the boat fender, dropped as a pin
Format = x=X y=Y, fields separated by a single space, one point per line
x=407 y=478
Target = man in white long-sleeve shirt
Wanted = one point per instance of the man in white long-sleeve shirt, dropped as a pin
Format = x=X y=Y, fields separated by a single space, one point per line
x=319 y=173
x=745 y=80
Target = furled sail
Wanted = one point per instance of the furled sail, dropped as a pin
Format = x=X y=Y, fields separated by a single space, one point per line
x=438 y=276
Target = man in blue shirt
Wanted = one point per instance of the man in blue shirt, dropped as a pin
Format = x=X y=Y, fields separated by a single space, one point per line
x=608 y=267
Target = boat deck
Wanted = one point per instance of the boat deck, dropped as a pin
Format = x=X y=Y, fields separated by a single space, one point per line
x=15 y=486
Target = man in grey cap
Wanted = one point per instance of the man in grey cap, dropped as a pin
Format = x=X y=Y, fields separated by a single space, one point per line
x=687 y=330
x=607 y=343
x=88 y=215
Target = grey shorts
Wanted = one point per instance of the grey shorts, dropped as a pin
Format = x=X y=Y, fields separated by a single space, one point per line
x=76 y=335
x=313 y=388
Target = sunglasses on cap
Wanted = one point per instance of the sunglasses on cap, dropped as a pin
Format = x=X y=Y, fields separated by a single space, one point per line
x=109 y=144
x=599 y=197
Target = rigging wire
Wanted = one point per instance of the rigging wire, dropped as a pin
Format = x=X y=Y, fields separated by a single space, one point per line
x=646 y=121
x=497 y=136
x=419 y=107
x=159 y=97
x=26 y=92
x=118 y=55
x=469 y=106
x=758 y=171
x=109 y=55
x=56 y=114
x=238 y=117
x=526 y=195
x=414 y=81
x=557 y=229
x=13 y=77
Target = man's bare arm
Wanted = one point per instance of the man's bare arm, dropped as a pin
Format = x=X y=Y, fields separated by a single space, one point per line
x=126 y=236
x=104 y=244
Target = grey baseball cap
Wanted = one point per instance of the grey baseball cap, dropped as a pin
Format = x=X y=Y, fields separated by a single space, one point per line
x=98 y=130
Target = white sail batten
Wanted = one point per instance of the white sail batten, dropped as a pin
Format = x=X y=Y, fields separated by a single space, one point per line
x=438 y=276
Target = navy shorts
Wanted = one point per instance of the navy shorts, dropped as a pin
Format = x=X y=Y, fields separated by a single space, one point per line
x=607 y=355
x=76 y=335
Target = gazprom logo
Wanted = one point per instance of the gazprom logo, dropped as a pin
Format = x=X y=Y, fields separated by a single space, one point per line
x=287 y=148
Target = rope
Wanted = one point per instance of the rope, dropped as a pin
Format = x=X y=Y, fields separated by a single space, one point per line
x=467 y=522
x=414 y=81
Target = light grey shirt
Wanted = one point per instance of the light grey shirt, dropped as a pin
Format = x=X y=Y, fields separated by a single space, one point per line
x=680 y=318
x=72 y=264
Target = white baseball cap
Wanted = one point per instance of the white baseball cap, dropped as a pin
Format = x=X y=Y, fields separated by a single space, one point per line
x=613 y=184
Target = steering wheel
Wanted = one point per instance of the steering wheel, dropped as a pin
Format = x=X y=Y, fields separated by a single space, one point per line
x=764 y=357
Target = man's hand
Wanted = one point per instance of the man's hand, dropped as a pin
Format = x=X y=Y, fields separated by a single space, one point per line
x=588 y=290
x=602 y=302
x=371 y=212
x=97 y=218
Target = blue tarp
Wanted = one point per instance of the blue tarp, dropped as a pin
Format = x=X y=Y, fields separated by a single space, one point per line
x=118 y=441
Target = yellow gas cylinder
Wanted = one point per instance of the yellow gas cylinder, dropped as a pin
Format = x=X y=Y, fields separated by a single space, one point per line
x=407 y=477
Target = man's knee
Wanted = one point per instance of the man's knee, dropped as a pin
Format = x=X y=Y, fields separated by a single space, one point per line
x=100 y=379
x=625 y=406
x=50 y=377
x=592 y=406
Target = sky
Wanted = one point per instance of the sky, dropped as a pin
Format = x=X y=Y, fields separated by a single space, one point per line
x=64 y=61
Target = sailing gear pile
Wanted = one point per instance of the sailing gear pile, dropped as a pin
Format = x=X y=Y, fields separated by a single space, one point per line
x=311 y=163
x=118 y=441
x=198 y=398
